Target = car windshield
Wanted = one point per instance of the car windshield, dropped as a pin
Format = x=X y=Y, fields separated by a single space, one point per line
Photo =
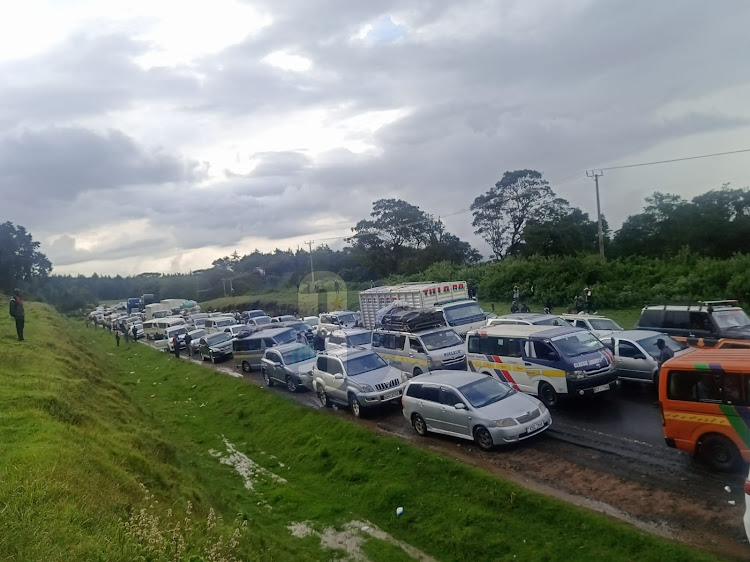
x=177 y=332
x=363 y=364
x=485 y=391
x=358 y=339
x=579 y=343
x=347 y=318
x=197 y=334
x=218 y=337
x=298 y=355
x=463 y=313
x=225 y=323
x=728 y=319
x=255 y=313
x=262 y=320
x=441 y=339
x=649 y=344
x=605 y=324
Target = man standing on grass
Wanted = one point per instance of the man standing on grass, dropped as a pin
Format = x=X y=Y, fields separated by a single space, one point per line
x=16 y=312
x=135 y=333
x=176 y=344
x=117 y=337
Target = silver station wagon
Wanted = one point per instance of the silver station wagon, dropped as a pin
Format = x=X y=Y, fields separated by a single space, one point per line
x=472 y=406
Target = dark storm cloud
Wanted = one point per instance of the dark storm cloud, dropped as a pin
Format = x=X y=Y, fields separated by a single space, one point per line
x=58 y=163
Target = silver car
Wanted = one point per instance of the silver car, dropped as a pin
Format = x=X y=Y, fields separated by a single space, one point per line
x=356 y=378
x=215 y=346
x=290 y=364
x=636 y=355
x=473 y=406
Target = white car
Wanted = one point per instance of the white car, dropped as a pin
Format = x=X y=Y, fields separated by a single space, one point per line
x=597 y=325
x=195 y=335
x=235 y=330
x=312 y=320
x=349 y=337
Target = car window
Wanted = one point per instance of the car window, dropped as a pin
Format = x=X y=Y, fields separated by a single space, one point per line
x=269 y=342
x=335 y=367
x=677 y=319
x=650 y=319
x=400 y=342
x=627 y=349
x=273 y=356
x=431 y=393
x=694 y=386
x=415 y=345
x=414 y=390
x=322 y=363
x=448 y=397
x=543 y=350
x=580 y=324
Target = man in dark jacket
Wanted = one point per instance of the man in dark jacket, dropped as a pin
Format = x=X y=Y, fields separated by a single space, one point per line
x=16 y=311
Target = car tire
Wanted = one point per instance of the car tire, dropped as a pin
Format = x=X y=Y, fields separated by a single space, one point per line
x=719 y=453
x=323 y=397
x=417 y=371
x=247 y=367
x=419 y=425
x=355 y=407
x=267 y=378
x=483 y=438
x=547 y=394
x=291 y=384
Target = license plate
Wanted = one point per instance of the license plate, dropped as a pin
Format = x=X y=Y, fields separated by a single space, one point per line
x=390 y=395
x=534 y=426
x=601 y=388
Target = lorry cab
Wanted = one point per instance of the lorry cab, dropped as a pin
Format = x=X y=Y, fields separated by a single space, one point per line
x=421 y=351
x=545 y=361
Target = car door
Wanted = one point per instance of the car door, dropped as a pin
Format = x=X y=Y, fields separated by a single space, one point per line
x=337 y=384
x=274 y=371
x=632 y=361
x=429 y=407
x=455 y=421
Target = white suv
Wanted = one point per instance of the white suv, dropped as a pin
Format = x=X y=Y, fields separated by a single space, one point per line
x=349 y=337
x=597 y=325
x=356 y=378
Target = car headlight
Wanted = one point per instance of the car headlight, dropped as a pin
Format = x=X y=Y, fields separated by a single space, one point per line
x=506 y=422
x=367 y=388
x=575 y=375
x=542 y=407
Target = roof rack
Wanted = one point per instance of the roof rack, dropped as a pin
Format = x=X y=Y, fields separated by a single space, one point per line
x=692 y=305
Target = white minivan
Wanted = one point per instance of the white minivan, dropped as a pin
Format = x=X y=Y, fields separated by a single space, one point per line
x=218 y=323
x=421 y=351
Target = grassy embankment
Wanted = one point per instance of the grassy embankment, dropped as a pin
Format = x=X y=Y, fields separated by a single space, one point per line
x=84 y=423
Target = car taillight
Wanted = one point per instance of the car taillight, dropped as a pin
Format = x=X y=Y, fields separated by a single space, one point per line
x=747 y=486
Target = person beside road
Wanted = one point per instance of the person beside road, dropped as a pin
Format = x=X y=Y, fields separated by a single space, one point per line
x=589 y=301
x=301 y=338
x=176 y=345
x=188 y=341
x=135 y=333
x=17 y=312
x=525 y=308
x=117 y=337
x=319 y=342
x=516 y=296
x=578 y=304
x=126 y=333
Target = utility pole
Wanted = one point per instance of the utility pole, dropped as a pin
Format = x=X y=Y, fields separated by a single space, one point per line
x=312 y=270
x=596 y=174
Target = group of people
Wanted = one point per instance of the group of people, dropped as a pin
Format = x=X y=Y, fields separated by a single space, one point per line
x=518 y=306
x=586 y=301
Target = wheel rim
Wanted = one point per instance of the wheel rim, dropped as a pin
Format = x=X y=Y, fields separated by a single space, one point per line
x=290 y=384
x=356 y=408
x=419 y=425
x=266 y=378
x=484 y=439
x=246 y=366
x=548 y=394
x=719 y=453
x=323 y=398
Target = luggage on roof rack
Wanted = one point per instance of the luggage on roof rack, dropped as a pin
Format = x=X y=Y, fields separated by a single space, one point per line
x=413 y=319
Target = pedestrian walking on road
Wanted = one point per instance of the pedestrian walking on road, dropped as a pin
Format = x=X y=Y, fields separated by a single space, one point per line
x=176 y=345
x=117 y=337
x=665 y=353
x=17 y=312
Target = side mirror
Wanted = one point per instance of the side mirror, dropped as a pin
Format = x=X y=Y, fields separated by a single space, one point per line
x=277 y=364
x=460 y=406
x=338 y=377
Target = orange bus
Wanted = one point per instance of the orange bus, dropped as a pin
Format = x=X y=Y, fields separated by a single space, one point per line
x=704 y=396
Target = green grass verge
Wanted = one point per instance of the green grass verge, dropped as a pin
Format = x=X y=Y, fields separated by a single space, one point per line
x=86 y=422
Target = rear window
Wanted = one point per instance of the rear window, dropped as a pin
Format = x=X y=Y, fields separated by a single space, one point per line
x=650 y=319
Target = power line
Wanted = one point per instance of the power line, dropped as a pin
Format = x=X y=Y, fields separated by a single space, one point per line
x=676 y=159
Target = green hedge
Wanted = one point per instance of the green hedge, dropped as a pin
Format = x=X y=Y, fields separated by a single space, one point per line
x=618 y=283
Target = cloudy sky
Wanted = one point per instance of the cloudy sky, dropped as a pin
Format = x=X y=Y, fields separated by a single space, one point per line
x=159 y=135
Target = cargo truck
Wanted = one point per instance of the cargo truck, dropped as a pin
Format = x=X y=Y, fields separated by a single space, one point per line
x=450 y=297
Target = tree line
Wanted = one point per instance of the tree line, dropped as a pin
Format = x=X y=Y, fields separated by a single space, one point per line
x=519 y=217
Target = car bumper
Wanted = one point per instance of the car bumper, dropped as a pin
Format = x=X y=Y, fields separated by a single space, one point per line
x=593 y=384
x=377 y=398
x=459 y=365
x=218 y=353
x=522 y=431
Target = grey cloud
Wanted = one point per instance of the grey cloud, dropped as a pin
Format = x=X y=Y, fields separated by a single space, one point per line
x=58 y=163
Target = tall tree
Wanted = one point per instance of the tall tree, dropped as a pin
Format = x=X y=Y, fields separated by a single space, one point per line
x=570 y=232
x=501 y=214
x=21 y=262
